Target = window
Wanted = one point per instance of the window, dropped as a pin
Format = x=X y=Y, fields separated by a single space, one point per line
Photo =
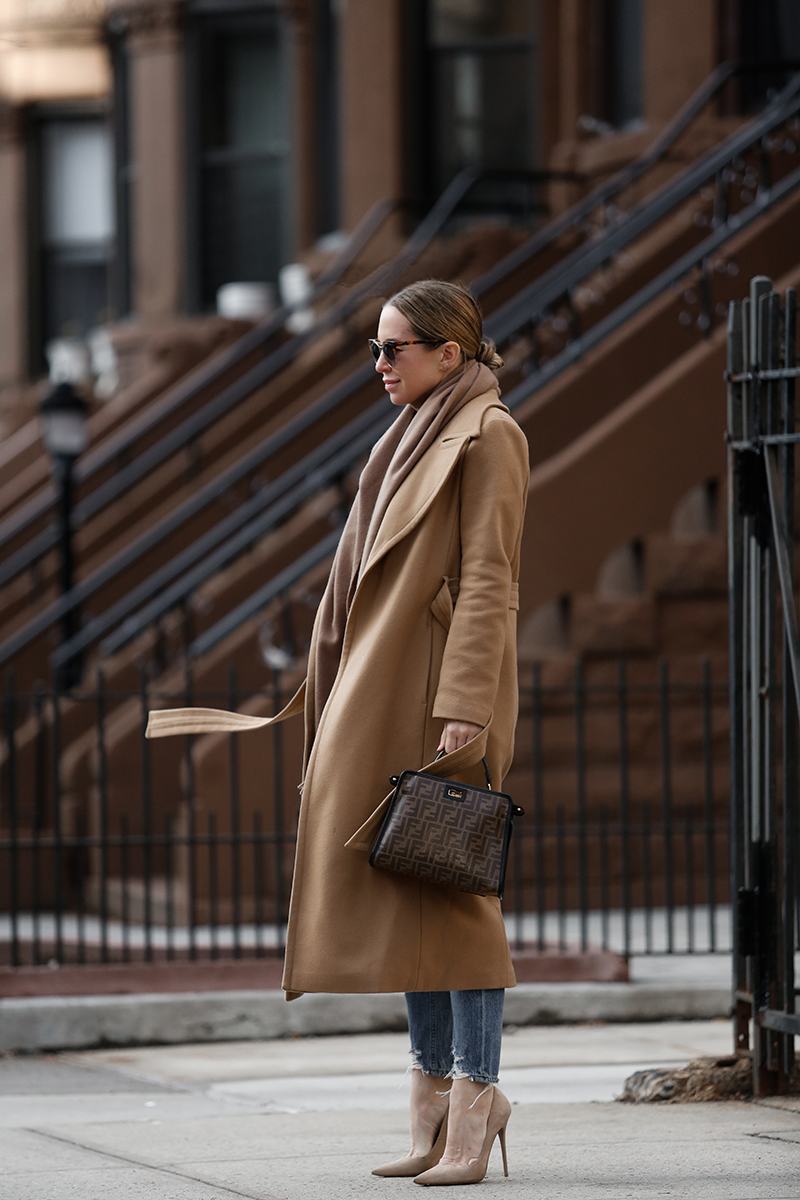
x=73 y=207
x=625 y=53
x=327 y=101
x=120 y=283
x=485 y=92
x=617 y=99
x=240 y=143
x=768 y=33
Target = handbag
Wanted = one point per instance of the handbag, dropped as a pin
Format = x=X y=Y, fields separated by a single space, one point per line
x=446 y=832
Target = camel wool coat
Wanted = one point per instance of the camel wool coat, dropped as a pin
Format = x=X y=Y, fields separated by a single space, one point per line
x=430 y=636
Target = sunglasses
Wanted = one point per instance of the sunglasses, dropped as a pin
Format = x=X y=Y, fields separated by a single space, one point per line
x=390 y=348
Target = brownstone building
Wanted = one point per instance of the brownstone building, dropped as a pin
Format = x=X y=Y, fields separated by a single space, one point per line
x=154 y=150
x=226 y=189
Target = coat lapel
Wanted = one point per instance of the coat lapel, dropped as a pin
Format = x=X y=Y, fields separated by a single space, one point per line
x=419 y=490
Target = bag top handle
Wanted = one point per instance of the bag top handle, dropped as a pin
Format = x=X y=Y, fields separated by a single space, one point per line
x=485 y=767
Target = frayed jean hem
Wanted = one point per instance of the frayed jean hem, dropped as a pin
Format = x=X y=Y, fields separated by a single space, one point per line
x=457 y=1035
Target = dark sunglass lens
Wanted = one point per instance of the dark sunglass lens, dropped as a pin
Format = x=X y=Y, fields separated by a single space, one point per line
x=388 y=349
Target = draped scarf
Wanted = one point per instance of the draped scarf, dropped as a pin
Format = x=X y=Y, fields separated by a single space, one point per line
x=393 y=458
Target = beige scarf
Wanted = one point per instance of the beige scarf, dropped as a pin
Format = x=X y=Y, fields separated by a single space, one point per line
x=392 y=459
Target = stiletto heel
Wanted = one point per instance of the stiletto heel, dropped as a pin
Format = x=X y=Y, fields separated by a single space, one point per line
x=474 y=1172
x=406 y=1168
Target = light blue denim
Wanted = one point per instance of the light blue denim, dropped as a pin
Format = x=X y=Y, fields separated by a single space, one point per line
x=457 y=1034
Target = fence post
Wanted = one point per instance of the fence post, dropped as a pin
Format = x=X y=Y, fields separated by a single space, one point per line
x=102 y=802
x=147 y=820
x=57 y=829
x=11 y=791
x=761 y=543
x=791 y=742
x=235 y=817
x=737 y=363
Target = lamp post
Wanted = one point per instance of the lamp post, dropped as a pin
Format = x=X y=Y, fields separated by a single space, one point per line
x=63 y=419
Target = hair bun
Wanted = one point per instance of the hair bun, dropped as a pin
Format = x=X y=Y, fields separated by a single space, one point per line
x=487 y=353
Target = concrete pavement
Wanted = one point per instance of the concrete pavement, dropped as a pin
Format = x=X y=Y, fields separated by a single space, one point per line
x=302 y=1118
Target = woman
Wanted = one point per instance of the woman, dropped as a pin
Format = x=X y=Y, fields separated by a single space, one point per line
x=413 y=652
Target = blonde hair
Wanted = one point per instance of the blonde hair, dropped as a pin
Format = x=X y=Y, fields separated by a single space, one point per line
x=440 y=311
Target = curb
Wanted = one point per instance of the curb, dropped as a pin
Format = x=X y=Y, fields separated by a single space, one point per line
x=264 y=974
x=89 y=1022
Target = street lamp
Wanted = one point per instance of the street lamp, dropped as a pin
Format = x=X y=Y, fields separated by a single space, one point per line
x=63 y=422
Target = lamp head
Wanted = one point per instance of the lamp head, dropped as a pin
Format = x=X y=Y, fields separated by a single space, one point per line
x=63 y=419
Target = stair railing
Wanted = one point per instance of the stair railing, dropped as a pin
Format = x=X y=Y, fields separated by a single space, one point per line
x=116 y=448
x=734 y=224
x=615 y=320
x=535 y=299
x=119 y=446
x=646 y=214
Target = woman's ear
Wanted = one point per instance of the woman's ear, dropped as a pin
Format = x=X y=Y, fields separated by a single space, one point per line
x=450 y=354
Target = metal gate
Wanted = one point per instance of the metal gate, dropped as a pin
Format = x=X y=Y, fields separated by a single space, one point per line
x=764 y=677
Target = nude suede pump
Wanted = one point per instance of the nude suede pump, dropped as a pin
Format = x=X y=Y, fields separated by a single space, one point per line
x=406 y=1168
x=474 y=1172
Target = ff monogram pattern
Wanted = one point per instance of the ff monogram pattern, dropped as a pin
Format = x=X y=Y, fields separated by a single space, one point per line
x=446 y=832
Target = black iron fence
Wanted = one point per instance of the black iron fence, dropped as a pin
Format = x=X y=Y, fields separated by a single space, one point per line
x=625 y=841
x=765 y=676
x=117 y=849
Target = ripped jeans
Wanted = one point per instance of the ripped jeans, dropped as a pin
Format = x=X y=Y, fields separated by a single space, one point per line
x=456 y=1034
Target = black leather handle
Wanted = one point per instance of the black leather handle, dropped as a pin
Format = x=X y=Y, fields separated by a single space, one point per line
x=485 y=767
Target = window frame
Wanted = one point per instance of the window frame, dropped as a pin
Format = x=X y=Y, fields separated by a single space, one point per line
x=434 y=53
x=200 y=14
x=36 y=117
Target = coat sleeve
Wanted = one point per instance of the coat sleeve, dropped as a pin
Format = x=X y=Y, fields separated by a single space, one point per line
x=494 y=489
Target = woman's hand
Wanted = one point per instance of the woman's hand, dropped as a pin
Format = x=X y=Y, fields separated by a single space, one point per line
x=456 y=734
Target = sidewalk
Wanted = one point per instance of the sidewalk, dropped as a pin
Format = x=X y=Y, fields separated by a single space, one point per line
x=687 y=987
x=302 y=1119
x=690 y=984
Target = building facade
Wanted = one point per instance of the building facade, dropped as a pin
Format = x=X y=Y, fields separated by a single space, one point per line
x=152 y=151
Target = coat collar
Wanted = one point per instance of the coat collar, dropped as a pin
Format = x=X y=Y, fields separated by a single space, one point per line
x=418 y=491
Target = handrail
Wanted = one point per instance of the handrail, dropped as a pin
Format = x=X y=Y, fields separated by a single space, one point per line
x=307 y=479
x=205 y=375
x=256 y=377
x=623 y=313
x=201 y=377
x=652 y=290
x=415 y=244
x=560 y=280
x=516 y=313
x=258 y=600
x=624 y=177
x=251 y=520
x=208 y=373
x=146 y=542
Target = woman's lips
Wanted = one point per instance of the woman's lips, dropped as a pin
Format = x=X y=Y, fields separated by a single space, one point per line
x=390 y=383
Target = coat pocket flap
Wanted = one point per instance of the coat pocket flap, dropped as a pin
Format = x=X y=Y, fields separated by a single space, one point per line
x=443 y=603
x=364 y=837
